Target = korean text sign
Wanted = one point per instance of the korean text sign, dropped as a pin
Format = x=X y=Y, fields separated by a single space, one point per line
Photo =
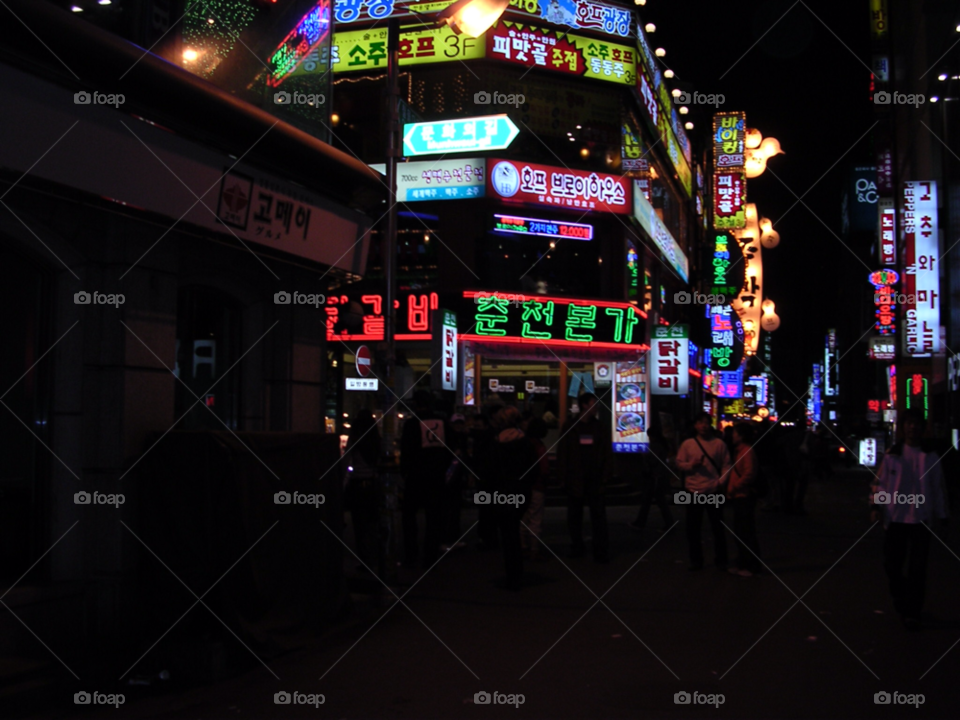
x=922 y=268
x=558 y=51
x=557 y=186
x=542 y=319
x=671 y=360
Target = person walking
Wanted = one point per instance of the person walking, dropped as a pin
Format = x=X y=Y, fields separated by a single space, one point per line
x=583 y=463
x=743 y=490
x=705 y=462
x=362 y=492
x=424 y=459
x=655 y=481
x=453 y=483
x=513 y=461
x=906 y=495
x=532 y=523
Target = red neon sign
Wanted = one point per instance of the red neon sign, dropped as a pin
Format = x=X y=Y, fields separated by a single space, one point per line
x=418 y=307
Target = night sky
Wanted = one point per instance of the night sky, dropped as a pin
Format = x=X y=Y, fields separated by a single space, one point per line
x=802 y=86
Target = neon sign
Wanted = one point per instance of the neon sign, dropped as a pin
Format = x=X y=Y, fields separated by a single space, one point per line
x=557 y=187
x=342 y=319
x=726 y=335
x=888 y=240
x=544 y=228
x=922 y=272
x=729 y=200
x=724 y=261
x=567 y=322
x=671 y=361
x=312 y=29
x=729 y=133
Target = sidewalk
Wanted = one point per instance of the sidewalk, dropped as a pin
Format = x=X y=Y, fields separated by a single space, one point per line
x=662 y=630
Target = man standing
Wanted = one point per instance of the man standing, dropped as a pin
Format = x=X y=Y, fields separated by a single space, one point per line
x=907 y=495
x=705 y=460
x=583 y=463
x=424 y=459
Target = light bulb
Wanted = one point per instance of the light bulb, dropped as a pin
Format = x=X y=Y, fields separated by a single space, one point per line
x=659 y=52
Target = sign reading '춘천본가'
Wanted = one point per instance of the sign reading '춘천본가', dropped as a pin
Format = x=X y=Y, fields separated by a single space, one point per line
x=550 y=186
x=490 y=132
x=542 y=320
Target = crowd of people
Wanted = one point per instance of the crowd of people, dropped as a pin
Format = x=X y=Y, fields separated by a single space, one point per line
x=497 y=459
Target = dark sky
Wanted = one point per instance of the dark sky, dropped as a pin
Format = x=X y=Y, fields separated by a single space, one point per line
x=802 y=86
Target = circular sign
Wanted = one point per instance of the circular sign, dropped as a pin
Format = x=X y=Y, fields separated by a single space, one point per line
x=363 y=361
x=505 y=179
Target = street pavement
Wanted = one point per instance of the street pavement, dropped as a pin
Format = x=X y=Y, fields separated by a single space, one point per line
x=815 y=638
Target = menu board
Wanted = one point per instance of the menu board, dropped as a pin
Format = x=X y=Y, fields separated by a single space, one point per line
x=630 y=407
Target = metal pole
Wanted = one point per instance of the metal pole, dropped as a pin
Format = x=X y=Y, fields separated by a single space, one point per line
x=390 y=247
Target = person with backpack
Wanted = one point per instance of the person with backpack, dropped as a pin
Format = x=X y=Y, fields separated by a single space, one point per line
x=705 y=462
x=744 y=488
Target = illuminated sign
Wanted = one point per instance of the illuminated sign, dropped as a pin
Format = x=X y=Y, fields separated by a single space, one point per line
x=441 y=180
x=352 y=319
x=557 y=50
x=868 y=452
x=888 y=237
x=581 y=14
x=490 y=132
x=726 y=336
x=355 y=50
x=882 y=348
x=362 y=383
x=878 y=19
x=922 y=274
x=648 y=219
x=671 y=360
x=725 y=266
x=448 y=350
x=630 y=407
x=312 y=29
x=729 y=200
x=631 y=152
x=761 y=384
x=918 y=393
x=831 y=371
x=544 y=228
x=555 y=321
x=729 y=384
x=633 y=272
x=729 y=133
x=816 y=401
x=557 y=187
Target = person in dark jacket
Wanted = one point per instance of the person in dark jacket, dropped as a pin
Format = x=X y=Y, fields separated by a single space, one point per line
x=530 y=531
x=424 y=460
x=362 y=488
x=583 y=463
x=655 y=481
x=513 y=461
x=742 y=487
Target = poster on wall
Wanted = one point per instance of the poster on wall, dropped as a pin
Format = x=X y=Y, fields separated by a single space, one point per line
x=630 y=407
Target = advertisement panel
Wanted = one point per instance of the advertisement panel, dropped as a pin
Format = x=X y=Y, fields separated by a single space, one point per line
x=729 y=134
x=648 y=219
x=354 y=50
x=440 y=179
x=581 y=14
x=556 y=50
x=557 y=187
x=729 y=200
x=517 y=225
x=630 y=407
x=922 y=269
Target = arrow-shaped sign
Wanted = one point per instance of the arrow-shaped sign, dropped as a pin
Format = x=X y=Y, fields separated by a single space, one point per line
x=467 y=135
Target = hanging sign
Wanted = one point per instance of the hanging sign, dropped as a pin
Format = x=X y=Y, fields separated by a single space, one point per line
x=671 y=360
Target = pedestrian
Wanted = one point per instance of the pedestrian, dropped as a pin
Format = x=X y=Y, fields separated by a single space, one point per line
x=532 y=524
x=906 y=495
x=513 y=461
x=485 y=435
x=743 y=491
x=424 y=459
x=654 y=480
x=454 y=482
x=705 y=462
x=583 y=463
x=362 y=491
